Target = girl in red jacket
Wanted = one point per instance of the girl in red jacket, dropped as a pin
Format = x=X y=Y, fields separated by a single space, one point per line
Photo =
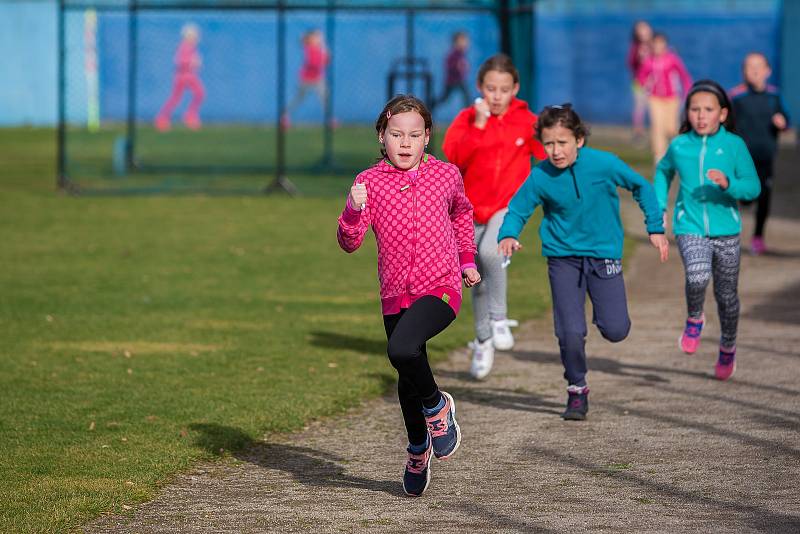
x=492 y=143
x=422 y=222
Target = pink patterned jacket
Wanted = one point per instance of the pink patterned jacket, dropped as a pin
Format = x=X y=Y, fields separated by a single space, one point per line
x=423 y=228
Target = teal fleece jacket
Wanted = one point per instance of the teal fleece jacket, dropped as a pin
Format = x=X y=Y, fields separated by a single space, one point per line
x=702 y=207
x=581 y=205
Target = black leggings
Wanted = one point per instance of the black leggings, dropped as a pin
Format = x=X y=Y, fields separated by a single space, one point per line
x=408 y=332
x=764 y=170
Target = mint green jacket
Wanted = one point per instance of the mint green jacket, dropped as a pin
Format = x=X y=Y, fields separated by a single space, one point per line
x=702 y=207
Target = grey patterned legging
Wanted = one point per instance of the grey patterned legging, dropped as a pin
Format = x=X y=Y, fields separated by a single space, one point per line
x=718 y=256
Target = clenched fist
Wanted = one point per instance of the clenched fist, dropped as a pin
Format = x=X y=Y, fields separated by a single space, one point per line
x=718 y=177
x=471 y=277
x=358 y=196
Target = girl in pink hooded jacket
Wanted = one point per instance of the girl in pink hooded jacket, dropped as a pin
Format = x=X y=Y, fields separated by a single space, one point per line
x=422 y=222
x=665 y=80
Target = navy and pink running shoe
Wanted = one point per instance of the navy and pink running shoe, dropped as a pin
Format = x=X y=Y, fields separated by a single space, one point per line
x=417 y=475
x=443 y=429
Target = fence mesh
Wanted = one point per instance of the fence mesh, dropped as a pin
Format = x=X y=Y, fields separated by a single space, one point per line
x=194 y=98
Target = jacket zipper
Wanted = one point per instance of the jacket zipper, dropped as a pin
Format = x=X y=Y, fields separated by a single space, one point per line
x=498 y=159
x=414 y=222
x=702 y=182
x=574 y=182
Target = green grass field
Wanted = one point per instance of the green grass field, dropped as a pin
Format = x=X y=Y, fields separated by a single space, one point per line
x=129 y=325
x=216 y=159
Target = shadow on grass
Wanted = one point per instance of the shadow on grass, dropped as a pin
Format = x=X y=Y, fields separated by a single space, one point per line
x=334 y=340
x=305 y=465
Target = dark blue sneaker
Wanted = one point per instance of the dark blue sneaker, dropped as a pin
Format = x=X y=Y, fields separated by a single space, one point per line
x=443 y=429
x=577 y=404
x=418 y=471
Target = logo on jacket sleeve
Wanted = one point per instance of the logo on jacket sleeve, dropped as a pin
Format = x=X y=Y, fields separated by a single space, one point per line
x=719 y=152
x=520 y=141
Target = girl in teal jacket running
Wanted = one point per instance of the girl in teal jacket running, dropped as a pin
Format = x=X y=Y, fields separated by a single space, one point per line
x=582 y=238
x=716 y=171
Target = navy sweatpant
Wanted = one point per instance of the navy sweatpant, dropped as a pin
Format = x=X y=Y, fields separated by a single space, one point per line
x=571 y=278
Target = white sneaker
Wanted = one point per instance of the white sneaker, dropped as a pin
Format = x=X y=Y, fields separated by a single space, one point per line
x=482 y=358
x=501 y=334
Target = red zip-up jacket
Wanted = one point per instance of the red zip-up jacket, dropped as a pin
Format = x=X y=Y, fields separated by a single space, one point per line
x=496 y=160
x=423 y=228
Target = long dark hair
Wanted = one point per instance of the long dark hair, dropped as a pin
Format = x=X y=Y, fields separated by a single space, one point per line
x=564 y=115
x=708 y=86
x=402 y=104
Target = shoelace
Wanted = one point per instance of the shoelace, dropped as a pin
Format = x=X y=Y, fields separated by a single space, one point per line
x=475 y=347
x=577 y=402
x=726 y=358
x=417 y=462
x=693 y=329
x=438 y=427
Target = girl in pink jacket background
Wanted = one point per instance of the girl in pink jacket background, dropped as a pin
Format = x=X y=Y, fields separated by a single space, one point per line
x=665 y=79
x=422 y=223
x=312 y=73
x=638 y=52
x=187 y=66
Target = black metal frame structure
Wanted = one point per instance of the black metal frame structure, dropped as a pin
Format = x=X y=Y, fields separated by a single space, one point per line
x=408 y=67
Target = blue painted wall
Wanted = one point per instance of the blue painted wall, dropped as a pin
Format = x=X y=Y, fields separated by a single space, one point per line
x=790 y=59
x=580 y=50
x=581 y=54
x=28 y=65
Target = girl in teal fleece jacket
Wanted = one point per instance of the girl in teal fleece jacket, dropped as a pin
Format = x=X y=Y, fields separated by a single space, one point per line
x=716 y=171
x=582 y=238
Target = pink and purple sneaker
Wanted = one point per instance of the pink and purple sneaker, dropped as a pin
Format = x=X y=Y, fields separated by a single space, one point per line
x=577 y=403
x=690 y=339
x=757 y=246
x=726 y=363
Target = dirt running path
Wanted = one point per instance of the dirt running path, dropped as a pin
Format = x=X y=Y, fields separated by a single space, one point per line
x=666 y=449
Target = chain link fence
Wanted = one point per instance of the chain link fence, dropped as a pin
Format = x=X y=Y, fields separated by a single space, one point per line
x=236 y=96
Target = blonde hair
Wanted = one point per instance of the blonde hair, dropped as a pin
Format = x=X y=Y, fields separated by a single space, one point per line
x=190 y=29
